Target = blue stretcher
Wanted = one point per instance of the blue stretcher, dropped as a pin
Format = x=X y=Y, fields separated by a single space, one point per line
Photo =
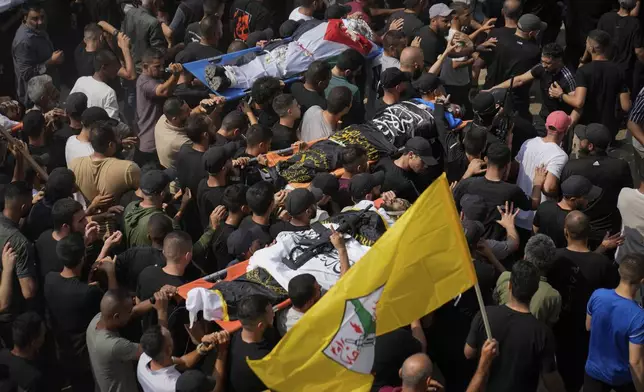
x=197 y=68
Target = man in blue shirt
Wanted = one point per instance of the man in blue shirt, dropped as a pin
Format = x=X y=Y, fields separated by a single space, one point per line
x=616 y=325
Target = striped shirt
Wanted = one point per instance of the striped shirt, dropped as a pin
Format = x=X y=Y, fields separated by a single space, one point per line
x=564 y=78
x=637 y=116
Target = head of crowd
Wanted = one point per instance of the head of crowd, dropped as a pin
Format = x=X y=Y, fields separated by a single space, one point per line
x=251 y=152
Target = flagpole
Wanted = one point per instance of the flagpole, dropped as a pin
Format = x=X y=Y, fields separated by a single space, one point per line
x=486 y=322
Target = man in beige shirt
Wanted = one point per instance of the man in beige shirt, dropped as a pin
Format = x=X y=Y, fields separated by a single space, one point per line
x=101 y=173
x=169 y=134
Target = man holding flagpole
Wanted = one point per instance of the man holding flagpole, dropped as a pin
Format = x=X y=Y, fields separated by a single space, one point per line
x=526 y=345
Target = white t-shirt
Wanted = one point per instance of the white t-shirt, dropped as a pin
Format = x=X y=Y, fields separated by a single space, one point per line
x=98 y=94
x=297 y=15
x=75 y=148
x=162 y=380
x=534 y=153
x=630 y=204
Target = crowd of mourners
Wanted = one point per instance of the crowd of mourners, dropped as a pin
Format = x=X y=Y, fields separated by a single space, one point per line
x=124 y=177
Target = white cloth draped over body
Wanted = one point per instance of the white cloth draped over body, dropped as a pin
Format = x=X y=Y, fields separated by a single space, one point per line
x=290 y=59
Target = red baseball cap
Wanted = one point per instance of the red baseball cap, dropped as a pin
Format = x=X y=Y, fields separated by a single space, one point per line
x=558 y=121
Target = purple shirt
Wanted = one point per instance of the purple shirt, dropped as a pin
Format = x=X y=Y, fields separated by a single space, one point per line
x=149 y=109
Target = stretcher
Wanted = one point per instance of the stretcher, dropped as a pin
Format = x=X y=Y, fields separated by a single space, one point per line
x=229 y=274
x=198 y=69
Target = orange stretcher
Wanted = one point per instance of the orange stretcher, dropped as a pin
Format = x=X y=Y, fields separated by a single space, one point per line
x=231 y=273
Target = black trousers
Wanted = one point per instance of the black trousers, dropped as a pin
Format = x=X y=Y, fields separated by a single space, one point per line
x=592 y=385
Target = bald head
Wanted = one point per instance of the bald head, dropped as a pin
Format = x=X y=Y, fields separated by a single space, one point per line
x=115 y=301
x=416 y=370
x=411 y=56
x=577 y=226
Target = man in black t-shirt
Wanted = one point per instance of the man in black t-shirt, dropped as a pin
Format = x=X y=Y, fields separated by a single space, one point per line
x=577 y=192
x=550 y=70
x=577 y=272
x=411 y=21
x=261 y=199
x=237 y=208
x=600 y=86
x=311 y=92
x=626 y=36
x=217 y=162
x=608 y=173
x=211 y=29
x=496 y=192
x=289 y=111
x=210 y=7
x=527 y=347
x=258 y=143
x=433 y=42
x=67 y=217
x=515 y=57
x=28 y=336
x=409 y=175
x=177 y=249
x=72 y=304
x=255 y=340
x=247 y=16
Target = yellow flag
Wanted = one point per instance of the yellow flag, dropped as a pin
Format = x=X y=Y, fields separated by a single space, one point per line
x=418 y=265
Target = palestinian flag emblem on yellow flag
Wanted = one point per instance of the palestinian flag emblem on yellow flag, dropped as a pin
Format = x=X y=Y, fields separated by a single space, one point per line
x=354 y=344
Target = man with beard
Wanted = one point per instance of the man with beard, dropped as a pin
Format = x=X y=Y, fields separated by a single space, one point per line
x=169 y=134
x=550 y=70
x=32 y=50
x=432 y=37
x=608 y=173
x=17 y=203
x=515 y=57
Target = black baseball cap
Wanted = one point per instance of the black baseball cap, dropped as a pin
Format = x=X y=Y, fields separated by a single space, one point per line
x=484 y=103
x=421 y=147
x=239 y=242
x=194 y=381
x=597 y=134
x=76 y=104
x=327 y=183
x=337 y=11
x=256 y=36
x=474 y=231
x=392 y=77
x=153 y=182
x=580 y=186
x=298 y=200
x=93 y=115
x=363 y=183
x=531 y=22
x=427 y=82
x=474 y=207
x=215 y=158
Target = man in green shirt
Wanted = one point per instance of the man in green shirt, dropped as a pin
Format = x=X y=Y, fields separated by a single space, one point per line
x=349 y=66
x=545 y=305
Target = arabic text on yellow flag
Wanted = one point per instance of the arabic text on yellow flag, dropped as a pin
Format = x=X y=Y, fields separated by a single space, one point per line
x=418 y=265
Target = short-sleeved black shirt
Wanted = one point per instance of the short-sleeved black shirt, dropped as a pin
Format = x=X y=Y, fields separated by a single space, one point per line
x=564 y=78
x=397 y=180
x=240 y=376
x=46 y=254
x=626 y=35
x=551 y=219
x=191 y=170
x=513 y=57
x=495 y=193
x=609 y=173
x=207 y=199
x=526 y=349
x=248 y=16
x=72 y=304
x=283 y=137
x=307 y=98
x=432 y=44
x=22 y=372
x=604 y=82
x=411 y=23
